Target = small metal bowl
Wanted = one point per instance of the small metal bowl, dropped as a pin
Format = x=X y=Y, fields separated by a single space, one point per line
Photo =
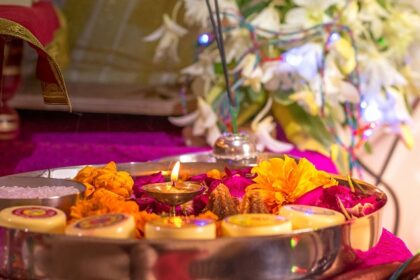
x=235 y=148
x=63 y=203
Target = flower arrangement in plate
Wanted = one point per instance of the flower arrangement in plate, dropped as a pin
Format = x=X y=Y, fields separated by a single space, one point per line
x=329 y=72
x=277 y=196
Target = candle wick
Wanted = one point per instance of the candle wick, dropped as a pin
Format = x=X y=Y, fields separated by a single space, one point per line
x=173 y=183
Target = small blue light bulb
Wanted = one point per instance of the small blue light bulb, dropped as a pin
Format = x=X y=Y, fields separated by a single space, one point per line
x=204 y=39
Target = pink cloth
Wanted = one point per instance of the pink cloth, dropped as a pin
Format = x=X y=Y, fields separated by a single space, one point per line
x=389 y=249
x=61 y=139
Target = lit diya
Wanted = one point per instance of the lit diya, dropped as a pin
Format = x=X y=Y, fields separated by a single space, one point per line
x=175 y=192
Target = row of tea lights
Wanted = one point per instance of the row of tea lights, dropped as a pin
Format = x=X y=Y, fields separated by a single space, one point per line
x=51 y=220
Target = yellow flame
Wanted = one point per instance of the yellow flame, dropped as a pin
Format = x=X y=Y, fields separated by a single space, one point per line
x=175 y=172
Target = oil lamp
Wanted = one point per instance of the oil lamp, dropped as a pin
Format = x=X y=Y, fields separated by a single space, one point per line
x=175 y=192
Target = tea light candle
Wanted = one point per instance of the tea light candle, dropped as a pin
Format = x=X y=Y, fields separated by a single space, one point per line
x=107 y=225
x=180 y=228
x=255 y=225
x=303 y=216
x=34 y=218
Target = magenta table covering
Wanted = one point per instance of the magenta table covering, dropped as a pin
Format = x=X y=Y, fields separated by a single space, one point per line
x=59 y=139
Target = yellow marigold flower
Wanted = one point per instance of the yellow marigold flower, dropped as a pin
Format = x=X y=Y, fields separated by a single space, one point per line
x=215 y=174
x=281 y=181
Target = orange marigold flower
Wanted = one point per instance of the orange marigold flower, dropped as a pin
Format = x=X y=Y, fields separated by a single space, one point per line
x=118 y=182
x=86 y=174
x=107 y=177
x=141 y=219
x=281 y=181
x=104 y=201
x=108 y=191
x=208 y=215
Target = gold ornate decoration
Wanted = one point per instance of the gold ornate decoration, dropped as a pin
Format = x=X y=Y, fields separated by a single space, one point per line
x=53 y=87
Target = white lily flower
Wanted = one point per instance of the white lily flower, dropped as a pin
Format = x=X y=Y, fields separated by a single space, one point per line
x=254 y=79
x=202 y=70
x=372 y=12
x=267 y=20
x=413 y=67
x=305 y=59
x=203 y=67
x=351 y=19
x=262 y=128
x=204 y=121
x=337 y=89
x=196 y=12
x=168 y=35
x=251 y=72
x=397 y=107
x=383 y=101
x=237 y=42
x=310 y=12
x=401 y=30
x=277 y=75
x=388 y=107
x=377 y=72
x=247 y=64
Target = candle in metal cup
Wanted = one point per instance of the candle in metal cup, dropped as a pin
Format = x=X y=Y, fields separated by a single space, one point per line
x=180 y=228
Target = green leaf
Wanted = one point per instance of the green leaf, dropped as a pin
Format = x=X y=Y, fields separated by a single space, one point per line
x=255 y=96
x=282 y=97
x=310 y=126
x=368 y=148
x=218 y=69
x=258 y=7
x=251 y=105
x=242 y=3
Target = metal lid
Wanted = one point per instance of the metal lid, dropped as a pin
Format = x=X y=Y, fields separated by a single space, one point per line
x=235 y=147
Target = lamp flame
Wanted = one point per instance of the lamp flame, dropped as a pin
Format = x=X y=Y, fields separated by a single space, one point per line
x=175 y=172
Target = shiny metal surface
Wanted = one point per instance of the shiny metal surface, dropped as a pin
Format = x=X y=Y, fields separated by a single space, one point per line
x=61 y=202
x=239 y=148
x=301 y=255
x=189 y=191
